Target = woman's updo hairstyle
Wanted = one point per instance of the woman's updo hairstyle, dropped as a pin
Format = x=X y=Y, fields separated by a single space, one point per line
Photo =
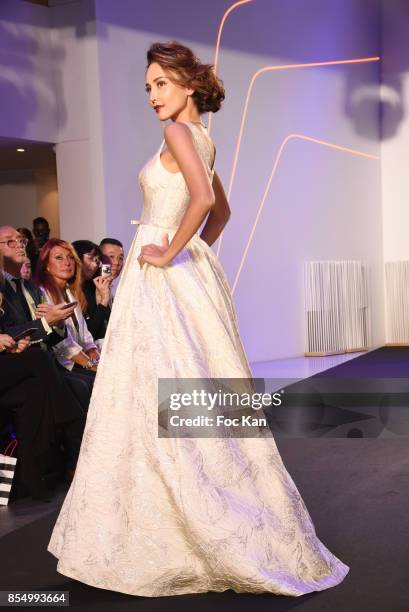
x=190 y=72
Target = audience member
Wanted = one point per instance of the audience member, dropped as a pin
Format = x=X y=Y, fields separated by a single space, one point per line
x=41 y=403
x=113 y=253
x=20 y=309
x=21 y=297
x=90 y=257
x=97 y=289
x=25 y=271
x=41 y=231
x=31 y=249
x=59 y=274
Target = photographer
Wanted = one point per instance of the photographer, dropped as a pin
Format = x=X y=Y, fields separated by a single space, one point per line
x=96 y=287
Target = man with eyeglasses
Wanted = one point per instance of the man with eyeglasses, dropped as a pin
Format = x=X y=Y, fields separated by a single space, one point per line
x=20 y=299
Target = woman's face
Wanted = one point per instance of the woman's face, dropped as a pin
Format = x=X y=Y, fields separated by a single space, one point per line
x=166 y=98
x=26 y=269
x=90 y=264
x=61 y=264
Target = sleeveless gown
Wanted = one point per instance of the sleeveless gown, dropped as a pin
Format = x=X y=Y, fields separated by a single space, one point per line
x=156 y=516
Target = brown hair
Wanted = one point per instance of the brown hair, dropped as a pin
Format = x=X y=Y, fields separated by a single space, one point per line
x=44 y=278
x=30 y=248
x=189 y=72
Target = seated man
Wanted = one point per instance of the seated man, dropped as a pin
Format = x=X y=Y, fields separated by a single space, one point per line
x=20 y=301
x=36 y=400
x=112 y=253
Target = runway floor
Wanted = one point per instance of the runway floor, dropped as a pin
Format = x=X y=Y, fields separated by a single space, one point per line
x=356 y=491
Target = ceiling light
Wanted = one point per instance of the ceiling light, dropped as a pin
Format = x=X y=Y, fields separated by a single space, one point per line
x=21 y=150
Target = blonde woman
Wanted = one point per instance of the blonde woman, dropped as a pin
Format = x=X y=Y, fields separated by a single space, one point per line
x=59 y=274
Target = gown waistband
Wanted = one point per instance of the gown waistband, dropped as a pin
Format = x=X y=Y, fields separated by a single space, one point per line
x=165 y=227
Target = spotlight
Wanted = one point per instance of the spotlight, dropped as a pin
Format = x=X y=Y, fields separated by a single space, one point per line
x=21 y=150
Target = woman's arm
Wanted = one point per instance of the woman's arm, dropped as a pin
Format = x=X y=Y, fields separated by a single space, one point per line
x=82 y=335
x=86 y=339
x=179 y=141
x=96 y=321
x=219 y=213
x=82 y=359
x=98 y=310
x=69 y=349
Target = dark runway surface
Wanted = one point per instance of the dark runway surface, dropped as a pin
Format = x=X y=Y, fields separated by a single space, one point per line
x=385 y=362
x=356 y=490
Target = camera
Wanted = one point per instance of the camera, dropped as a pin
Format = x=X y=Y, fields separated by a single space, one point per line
x=106 y=270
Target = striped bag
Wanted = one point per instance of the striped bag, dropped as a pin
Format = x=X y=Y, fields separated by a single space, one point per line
x=7 y=469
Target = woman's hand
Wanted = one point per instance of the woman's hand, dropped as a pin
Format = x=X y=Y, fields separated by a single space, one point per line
x=83 y=358
x=93 y=354
x=22 y=345
x=155 y=254
x=54 y=314
x=103 y=289
x=7 y=343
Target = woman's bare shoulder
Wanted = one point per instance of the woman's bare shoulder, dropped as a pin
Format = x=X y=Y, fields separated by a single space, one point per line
x=176 y=130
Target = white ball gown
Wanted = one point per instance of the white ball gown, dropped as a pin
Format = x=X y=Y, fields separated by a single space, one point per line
x=156 y=516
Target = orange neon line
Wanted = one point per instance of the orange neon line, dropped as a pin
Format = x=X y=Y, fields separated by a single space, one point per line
x=216 y=54
x=246 y=104
x=273 y=172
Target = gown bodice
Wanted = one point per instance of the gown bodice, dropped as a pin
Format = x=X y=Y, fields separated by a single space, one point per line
x=165 y=194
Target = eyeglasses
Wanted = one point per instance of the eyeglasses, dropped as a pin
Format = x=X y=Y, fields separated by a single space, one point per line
x=12 y=244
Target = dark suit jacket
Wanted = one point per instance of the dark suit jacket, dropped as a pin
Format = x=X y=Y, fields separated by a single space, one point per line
x=97 y=315
x=14 y=320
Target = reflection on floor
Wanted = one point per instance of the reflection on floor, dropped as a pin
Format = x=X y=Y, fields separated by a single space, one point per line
x=24 y=511
x=299 y=367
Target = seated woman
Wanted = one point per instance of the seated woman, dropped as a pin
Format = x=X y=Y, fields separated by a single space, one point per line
x=97 y=289
x=26 y=270
x=59 y=276
x=31 y=249
x=39 y=404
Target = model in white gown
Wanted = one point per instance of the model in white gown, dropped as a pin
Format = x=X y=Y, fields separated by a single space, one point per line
x=160 y=516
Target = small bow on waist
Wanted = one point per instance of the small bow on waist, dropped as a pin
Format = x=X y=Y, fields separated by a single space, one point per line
x=140 y=222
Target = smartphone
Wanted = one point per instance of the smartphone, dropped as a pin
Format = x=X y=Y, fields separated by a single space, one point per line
x=27 y=332
x=74 y=303
x=106 y=270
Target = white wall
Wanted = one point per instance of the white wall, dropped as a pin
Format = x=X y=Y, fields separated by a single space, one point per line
x=395 y=129
x=26 y=195
x=18 y=201
x=49 y=91
x=79 y=150
x=48 y=200
x=27 y=69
